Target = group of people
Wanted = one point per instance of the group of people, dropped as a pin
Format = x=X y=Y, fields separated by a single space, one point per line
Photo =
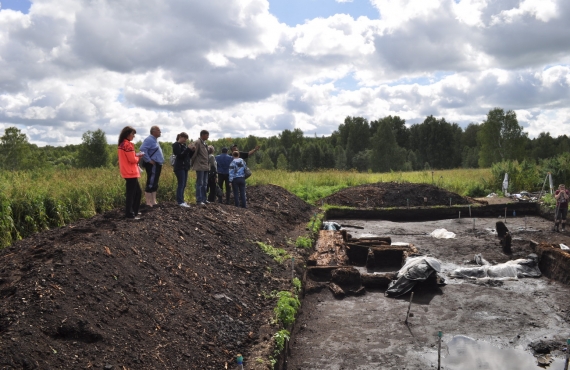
x=213 y=173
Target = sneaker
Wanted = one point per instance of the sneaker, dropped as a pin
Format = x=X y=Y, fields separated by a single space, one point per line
x=207 y=202
x=563 y=229
x=201 y=204
x=184 y=205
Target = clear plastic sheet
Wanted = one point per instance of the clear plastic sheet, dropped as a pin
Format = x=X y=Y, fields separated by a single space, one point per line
x=516 y=269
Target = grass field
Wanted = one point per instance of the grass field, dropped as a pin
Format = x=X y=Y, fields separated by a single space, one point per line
x=32 y=201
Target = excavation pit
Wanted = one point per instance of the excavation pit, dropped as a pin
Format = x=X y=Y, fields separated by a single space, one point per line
x=368 y=331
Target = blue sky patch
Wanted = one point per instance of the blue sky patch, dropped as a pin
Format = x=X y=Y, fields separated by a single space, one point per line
x=422 y=80
x=294 y=12
x=348 y=82
x=19 y=5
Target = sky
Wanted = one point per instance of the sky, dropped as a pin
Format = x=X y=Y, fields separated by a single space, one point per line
x=258 y=67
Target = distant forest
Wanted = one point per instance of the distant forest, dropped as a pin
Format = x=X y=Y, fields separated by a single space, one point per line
x=382 y=145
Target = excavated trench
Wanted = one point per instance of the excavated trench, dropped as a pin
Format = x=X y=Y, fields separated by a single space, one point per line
x=347 y=321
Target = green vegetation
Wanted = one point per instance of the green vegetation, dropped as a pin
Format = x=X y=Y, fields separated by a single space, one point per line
x=287 y=306
x=280 y=339
x=297 y=285
x=278 y=254
x=303 y=242
x=315 y=224
x=35 y=200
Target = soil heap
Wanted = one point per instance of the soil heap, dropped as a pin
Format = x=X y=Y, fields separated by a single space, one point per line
x=392 y=194
x=179 y=289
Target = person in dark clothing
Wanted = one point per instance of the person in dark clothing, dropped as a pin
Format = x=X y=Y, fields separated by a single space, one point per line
x=561 y=195
x=212 y=175
x=181 y=166
x=243 y=155
x=200 y=163
x=223 y=160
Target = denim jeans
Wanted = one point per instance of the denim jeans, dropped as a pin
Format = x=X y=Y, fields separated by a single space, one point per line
x=201 y=186
x=182 y=177
x=238 y=184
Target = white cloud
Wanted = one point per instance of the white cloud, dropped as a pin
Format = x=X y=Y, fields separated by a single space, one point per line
x=543 y=10
x=470 y=12
x=71 y=66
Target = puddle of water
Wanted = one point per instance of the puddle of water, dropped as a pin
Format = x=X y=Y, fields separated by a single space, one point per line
x=465 y=353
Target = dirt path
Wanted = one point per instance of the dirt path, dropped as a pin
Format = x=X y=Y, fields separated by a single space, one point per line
x=368 y=332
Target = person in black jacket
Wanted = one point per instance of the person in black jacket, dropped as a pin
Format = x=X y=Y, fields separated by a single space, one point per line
x=181 y=166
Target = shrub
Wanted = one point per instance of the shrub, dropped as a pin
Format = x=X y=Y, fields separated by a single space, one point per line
x=287 y=306
x=303 y=242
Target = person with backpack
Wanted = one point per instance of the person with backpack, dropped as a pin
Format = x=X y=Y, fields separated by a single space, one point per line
x=212 y=184
x=128 y=165
x=223 y=160
x=153 y=161
x=237 y=179
x=181 y=165
x=201 y=166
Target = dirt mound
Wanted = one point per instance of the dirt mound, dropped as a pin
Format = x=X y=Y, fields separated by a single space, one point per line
x=391 y=194
x=179 y=289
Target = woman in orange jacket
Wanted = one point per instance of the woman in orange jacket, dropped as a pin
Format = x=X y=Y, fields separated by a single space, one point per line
x=128 y=164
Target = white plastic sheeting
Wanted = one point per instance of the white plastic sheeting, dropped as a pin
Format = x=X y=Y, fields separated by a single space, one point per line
x=520 y=268
x=442 y=234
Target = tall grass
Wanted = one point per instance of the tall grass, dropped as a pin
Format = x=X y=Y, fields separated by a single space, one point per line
x=32 y=201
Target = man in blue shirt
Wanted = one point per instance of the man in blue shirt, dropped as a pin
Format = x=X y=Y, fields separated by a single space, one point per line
x=224 y=161
x=153 y=161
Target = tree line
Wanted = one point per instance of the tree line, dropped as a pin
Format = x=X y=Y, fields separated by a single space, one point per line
x=382 y=145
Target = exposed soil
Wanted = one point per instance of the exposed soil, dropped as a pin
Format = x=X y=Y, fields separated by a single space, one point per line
x=179 y=289
x=189 y=289
x=391 y=194
x=525 y=316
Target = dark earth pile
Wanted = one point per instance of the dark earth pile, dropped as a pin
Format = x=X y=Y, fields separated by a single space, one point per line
x=179 y=289
x=391 y=194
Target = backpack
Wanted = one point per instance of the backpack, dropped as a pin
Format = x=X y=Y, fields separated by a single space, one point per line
x=246 y=172
x=172 y=159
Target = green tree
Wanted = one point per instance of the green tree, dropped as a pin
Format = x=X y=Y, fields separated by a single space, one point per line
x=354 y=136
x=282 y=162
x=437 y=142
x=544 y=146
x=339 y=158
x=295 y=163
x=266 y=162
x=289 y=138
x=386 y=154
x=15 y=153
x=399 y=129
x=361 y=161
x=93 y=151
x=250 y=143
x=501 y=138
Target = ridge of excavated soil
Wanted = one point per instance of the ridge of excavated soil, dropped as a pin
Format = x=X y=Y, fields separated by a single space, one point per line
x=392 y=194
x=181 y=288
